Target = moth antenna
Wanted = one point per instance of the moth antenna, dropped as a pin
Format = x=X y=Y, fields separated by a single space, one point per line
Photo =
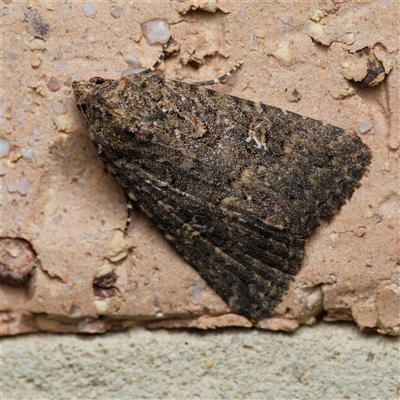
x=129 y=207
x=220 y=79
x=163 y=55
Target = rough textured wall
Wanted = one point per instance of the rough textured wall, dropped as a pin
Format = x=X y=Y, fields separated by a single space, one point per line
x=320 y=362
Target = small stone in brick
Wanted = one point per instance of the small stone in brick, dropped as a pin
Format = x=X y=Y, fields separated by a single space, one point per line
x=17 y=260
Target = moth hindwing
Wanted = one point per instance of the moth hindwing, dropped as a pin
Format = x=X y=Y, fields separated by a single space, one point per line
x=237 y=186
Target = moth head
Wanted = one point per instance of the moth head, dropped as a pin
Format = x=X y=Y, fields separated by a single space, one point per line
x=82 y=91
x=84 y=94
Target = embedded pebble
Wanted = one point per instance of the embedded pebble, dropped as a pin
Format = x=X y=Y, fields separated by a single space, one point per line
x=62 y=66
x=37 y=44
x=282 y=53
x=5 y=11
x=116 y=11
x=59 y=108
x=253 y=44
x=201 y=283
x=23 y=186
x=156 y=31
x=36 y=25
x=232 y=79
x=364 y=127
x=67 y=288
x=287 y=20
x=377 y=218
x=196 y=293
x=105 y=278
x=28 y=154
x=298 y=369
x=132 y=62
x=241 y=14
x=104 y=270
x=118 y=248
x=3 y=170
x=4 y=147
x=12 y=186
x=350 y=38
x=318 y=15
x=101 y=306
x=21 y=116
x=31 y=141
x=90 y=9
x=53 y=84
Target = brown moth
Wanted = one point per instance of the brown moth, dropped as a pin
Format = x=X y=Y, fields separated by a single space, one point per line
x=237 y=186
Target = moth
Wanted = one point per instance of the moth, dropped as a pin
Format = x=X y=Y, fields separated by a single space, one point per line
x=235 y=185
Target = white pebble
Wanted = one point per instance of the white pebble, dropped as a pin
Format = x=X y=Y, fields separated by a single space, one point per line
x=201 y=283
x=90 y=9
x=28 y=154
x=287 y=20
x=364 y=127
x=116 y=11
x=196 y=293
x=241 y=14
x=132 y=62
x=253 y=44
x=298 y=369
x=4 y=147
x=37 y=381
x=31 y=140
x=156 y=31
x=384 y=3
x=23 y=186
x=21 y=116
x=12 y=186
x=3 y=170
x=58 y=108
x=232 y=79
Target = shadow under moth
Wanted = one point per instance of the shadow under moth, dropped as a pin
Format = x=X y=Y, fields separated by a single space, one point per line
x=235 y=185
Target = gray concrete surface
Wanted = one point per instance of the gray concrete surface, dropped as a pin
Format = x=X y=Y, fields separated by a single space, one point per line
x=319 y=362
